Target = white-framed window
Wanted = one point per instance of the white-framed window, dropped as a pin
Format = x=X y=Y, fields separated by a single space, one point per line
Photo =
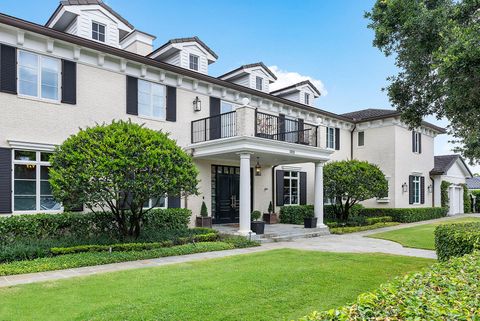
x=226 y=107
x=31 y=189
x=193 y=60
x=38 y=76
x=330 y=137
x=98 y=31
x=416 y=142
x=361 y=138
x=156 y=202
x=259 y=83
x=291 y=188
x=307 y=99
x=151 y=99
x=416 y=189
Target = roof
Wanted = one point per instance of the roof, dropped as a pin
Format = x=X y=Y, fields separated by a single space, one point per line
x=473 y=183
x=374 y=114
x=89 y=2
x=257 y=64
x=305 y=82
x=442 y=164
x=94 y=45
x=189 y=39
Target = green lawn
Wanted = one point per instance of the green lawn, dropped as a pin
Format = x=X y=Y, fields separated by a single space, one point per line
x=275 y=285
x=421 y=236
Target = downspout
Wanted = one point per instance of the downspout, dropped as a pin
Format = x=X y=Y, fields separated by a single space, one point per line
x=433 y=191
x=351 y=141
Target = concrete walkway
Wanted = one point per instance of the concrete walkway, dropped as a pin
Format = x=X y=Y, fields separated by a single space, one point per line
x=352 y=243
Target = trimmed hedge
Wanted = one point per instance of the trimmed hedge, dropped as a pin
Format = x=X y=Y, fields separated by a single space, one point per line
x=295 y=214
x=380 y=219
x=83 y=225
x=407 y=215
x=456 y=239
x=353 y=229
x=444 y=291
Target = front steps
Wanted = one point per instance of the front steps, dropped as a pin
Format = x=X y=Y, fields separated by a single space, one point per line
x=287 y=236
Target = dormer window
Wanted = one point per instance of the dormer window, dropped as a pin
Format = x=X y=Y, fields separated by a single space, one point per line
x=307 y=99
x=194 y=62
x=98 y=31
x=259 y=83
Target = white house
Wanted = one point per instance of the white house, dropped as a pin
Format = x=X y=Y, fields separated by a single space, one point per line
x=89 y=65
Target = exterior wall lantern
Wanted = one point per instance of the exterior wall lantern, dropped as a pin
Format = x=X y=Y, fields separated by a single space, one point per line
x=430 y=188
x=404 y=187
x=197 y=104
x=258 y=169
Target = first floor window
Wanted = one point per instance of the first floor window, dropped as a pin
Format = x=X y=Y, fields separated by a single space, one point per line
x=361 y=138
x=416 y=190
x=156 y=202
x=98 y=31
x=151 y=99
x=38 y=75
x=330 y=137
x=31 y=188
x=194 y=62
x=259 y=83
x=291 y=188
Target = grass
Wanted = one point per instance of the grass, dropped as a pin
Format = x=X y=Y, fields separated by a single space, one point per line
x=354 y=229
x=274 y=285
x=421 y=236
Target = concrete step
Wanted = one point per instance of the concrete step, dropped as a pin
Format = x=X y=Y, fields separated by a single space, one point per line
x=285 y=237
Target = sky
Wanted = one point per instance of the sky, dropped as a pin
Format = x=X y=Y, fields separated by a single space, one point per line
x=326 y=41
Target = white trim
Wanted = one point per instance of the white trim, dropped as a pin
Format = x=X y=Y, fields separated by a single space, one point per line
x=31 y=146
x=291 y=178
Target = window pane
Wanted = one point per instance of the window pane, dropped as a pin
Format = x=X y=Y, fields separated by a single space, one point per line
x=25 y=155
x=49 y=92
x=28 y=74
x=144 y=110
x=28 y=59
x=25 y=171
x=95 y=26
x=45 y=157
x=48 y=203
x=101 y=37
x=25 y=187
x=225 y=107
x=24 y=203
x=50 y=64
x=45 y=188
x=144 y=86
x=101 y=29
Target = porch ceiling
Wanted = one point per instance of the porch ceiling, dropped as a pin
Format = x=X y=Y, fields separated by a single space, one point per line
x=270 y=152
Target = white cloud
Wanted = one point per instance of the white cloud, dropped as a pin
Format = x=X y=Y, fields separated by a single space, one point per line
x=287 y=78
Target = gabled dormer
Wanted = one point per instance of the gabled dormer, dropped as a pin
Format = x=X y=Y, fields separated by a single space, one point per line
x=256 y=76
x=190 y=53
x=303 y=92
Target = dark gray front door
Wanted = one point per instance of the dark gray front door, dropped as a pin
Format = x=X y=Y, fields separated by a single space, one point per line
x=227 y=194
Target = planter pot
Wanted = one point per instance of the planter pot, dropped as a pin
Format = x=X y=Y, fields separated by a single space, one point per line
x=203 y=221
x=270 y=218
x=310 y=222
x=258 y=227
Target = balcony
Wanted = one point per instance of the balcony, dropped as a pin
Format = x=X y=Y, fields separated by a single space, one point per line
x=249 y=122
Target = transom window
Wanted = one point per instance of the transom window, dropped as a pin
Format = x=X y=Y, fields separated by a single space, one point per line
x=416 y=189
x=31 y=189
x=259 y=83
x=307 y=99
x=151 y=99
x=98 y=31
x=416 y=142
x=361 y=138
x=156 y=202
x=193 y=62
x=330 y=137
x=291 y=188
x=38 y=76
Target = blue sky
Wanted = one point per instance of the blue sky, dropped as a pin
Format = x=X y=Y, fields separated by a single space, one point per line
x=327 y=40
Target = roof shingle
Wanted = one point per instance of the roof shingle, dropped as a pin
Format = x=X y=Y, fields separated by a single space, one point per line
x=473 y=183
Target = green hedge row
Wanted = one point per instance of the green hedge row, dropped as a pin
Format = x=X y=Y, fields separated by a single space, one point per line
x=353 y=229
x=83 y=225
x=295 y=214
x=406 y=215
x=456 y=239
x=444 y=291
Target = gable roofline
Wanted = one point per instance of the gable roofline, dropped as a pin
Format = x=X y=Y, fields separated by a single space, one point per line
x=94 y=45
x=305 y=82
x=449 y=161
x=88 y=2
x=256 y=64
x=181 y=40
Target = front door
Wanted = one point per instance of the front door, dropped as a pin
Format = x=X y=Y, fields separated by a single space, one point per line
x=227 y=196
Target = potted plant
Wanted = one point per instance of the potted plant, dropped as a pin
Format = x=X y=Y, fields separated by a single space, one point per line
x=257 y=226
x=270 y=217
x=203 y=220
x=309 y=220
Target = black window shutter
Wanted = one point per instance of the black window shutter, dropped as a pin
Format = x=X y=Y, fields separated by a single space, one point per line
x=413 y=141
x=171 y=103
x=215 y=122
x=132 y=95
x=69 y=82
x=301 y=132
x=419 y=143
x=411 y=191
x=174 y=202
x=422 y=190
x=5 y=180
x=279 y=187
x=8 y=69
x=303 y=188
x=337 y=138
x=281 y=127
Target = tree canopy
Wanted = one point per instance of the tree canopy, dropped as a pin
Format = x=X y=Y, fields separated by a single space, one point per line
x=436 y=44
x=117 y=168
x=350 y=182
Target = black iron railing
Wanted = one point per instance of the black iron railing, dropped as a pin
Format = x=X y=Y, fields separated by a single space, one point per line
x=285 y=129
x=214 y=127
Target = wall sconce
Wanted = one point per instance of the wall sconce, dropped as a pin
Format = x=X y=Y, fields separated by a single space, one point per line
x=430 y=188
x=404 y=187
x=258 y=169
x=197 y=104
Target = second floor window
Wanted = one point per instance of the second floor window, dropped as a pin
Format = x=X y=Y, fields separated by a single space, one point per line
x=416 y=142
x=38 y=76
x=259 y=83
x=291 y=188
x=98 y=31
x=361 y=138
x=151 y=99
x=330 y=137
x=194 y=62
x=307 y=99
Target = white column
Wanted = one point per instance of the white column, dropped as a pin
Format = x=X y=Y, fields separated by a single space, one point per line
x=244 y=194
x=318 y=204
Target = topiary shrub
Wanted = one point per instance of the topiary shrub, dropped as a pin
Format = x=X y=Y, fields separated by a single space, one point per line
x=203 y=210
x=456 y=239
x=255 y=215
x=295 y=214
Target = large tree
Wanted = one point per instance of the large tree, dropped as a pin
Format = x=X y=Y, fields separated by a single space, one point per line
x=349 y=182
x=436 y=44
x=117 y=168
